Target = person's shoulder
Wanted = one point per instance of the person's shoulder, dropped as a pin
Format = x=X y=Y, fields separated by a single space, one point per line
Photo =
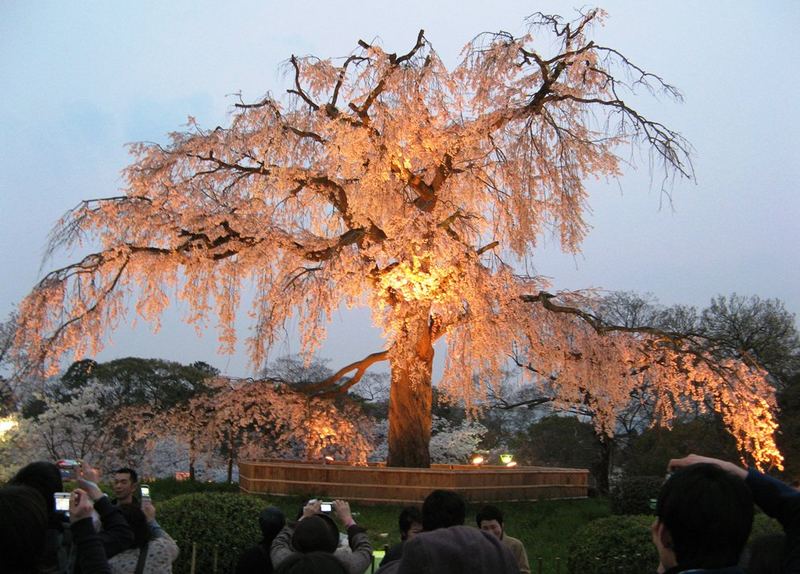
x=122 y=561
x=512 y=542
x=456 y=549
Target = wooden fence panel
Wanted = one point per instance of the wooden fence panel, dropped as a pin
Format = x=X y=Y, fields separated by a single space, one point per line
x=379 y=484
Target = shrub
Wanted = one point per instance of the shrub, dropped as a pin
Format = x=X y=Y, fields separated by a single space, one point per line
x=635 y=494
x=166 y=488
x=226 y=521
x=764 y=525
x=617 y=544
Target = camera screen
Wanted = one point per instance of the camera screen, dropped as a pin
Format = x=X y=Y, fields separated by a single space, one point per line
x=326 y=507
x=145 y=491
x=62 y=501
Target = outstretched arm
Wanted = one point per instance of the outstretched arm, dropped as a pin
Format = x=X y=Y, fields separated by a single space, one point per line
x=360 y=557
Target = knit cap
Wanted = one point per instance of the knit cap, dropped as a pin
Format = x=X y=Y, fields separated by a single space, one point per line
x=316 y=533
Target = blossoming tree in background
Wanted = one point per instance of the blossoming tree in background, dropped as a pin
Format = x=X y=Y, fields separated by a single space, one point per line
x=391 y=181
x=258 y=419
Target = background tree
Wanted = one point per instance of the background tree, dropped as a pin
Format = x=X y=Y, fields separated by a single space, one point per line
x=74 y=427
x=390 y=180
x=647 y=453
x=7 y=331
x=263 y=419
x=757 y=329
x=98 y=410
x=561 y=441
x=789 y=420
x=135 y=381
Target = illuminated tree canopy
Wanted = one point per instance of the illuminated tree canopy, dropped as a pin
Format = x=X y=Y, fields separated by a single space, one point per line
x=391 y=181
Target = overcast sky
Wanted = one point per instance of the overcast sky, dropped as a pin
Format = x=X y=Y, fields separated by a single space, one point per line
x=81 y=79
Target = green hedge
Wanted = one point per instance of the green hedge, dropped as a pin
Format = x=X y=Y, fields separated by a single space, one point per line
x=166 y=488
x=623 y=545
x=635 y=494
x=764 y=525
x=617 y=544
x=225 y=521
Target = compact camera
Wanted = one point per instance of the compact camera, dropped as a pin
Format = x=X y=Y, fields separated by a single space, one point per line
x=323 y=505
x=62 y=501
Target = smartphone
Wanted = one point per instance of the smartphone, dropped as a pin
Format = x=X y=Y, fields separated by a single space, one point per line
x=326 y=506
x=145 y=492
x=62 y=501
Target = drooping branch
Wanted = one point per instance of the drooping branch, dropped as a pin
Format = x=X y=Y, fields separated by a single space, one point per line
x=697 y=347
x=600 y=326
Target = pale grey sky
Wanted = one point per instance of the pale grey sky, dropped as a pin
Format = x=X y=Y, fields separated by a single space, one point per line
x=80 y=79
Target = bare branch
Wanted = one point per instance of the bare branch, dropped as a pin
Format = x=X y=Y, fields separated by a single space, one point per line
x=298 y=90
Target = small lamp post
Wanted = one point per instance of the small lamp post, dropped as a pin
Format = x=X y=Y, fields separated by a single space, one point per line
x=506 y=458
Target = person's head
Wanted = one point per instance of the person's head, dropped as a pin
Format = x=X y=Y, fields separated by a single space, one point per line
x=704 y=517
x=44 y=477
x=125 y=483
x=138 y=523
x=316 y=533
x=23 y=524
x=271 y=520
x=410 y=522
x=311 y=563
x=490 y=519
x=442 y=509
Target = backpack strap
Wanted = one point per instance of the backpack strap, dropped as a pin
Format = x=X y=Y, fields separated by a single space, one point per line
x=142 y=558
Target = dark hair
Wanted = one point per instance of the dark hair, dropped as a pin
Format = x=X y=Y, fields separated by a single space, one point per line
x=271 y=520
x=316 y=533
x=311 y=563
x=708 y=513
x=408 y=516
x=443 y=508
x=44 y=477
x=138 y=523
x=489 y=512
x=23 y=527
x=130 y=471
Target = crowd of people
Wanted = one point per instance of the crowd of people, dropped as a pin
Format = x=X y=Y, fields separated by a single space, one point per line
x=96 y=534
x=704 y=516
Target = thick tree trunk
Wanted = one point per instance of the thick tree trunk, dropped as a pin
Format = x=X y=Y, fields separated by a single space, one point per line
x=410 y=399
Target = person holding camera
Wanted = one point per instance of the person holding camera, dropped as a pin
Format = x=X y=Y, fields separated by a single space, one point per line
x=153 y=551
x=23 y=534
x=316 y=531
x=89 y=546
